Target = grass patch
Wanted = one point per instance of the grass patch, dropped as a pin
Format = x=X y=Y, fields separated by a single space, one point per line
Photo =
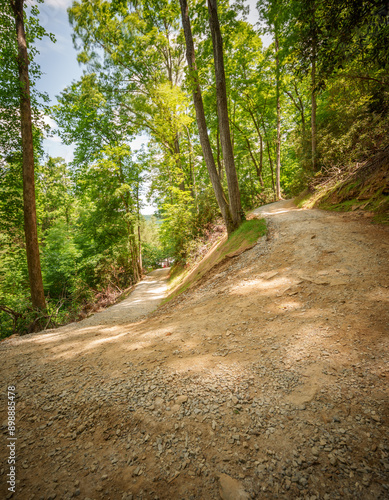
x=244 y=237
x=240 y=240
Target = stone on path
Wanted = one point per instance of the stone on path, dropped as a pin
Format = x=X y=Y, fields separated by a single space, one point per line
x=231 y=489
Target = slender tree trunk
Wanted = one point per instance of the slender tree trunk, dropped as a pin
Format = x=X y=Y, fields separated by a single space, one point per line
x=232 y=131
x=201 y=122
x=302 y=114
x=222 y=111
x=260 y=141
x=30 y=224
x=278 y=143
x=313 y=115
x=219 y=160
x=136 y=258
x=258 y=168
x=133 y=250
x=192 y=170
x=271 y=167
x=299 y=106
x=139 y=235
x=261 y=158
x=269 y=156
x=178 y=161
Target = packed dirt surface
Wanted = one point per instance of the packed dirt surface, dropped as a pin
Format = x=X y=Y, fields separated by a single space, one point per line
x=143 y=300
x=267 y=380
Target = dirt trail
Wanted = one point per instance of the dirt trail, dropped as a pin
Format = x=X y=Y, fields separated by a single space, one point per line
x=142 y=301
x=268 y=380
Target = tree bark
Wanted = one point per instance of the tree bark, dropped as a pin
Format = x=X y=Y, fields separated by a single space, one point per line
x=258 y=168
x=30 y=223
x=278 y=143
x=260 y=145
x=299 y=106
x=269 y=156
x=313 y=114
x=219 y=160
x=139 y=233
x=222 y=111
x=192 y=169
x=201 y=122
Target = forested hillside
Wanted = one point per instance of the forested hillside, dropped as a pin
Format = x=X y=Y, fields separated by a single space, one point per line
x=229 y=122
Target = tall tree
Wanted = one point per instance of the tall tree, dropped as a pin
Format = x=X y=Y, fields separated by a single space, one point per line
x=274 y=14
x=30 y=224
x=222 y=111
x=201 y=121
x=278 y=97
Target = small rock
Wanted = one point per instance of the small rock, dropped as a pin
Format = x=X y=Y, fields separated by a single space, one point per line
x=231 y=489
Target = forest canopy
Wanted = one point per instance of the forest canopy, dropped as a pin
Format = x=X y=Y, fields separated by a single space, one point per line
x=230 y=123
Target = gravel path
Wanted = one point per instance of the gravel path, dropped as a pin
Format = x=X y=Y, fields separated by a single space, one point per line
x=268 y=380
x=142 y=301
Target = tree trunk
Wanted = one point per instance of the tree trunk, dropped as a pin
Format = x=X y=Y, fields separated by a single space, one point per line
x=139 y=234
x=192 y=170
x=136 y=258
x=258 y=168
x=278 y=164
x=269 y=156
x=313 y=114
x=219 y=161
x=201 y=122
x=30 y=224
x=222 y=111
x=178 y=161
x=260 y=144
x=299 y=106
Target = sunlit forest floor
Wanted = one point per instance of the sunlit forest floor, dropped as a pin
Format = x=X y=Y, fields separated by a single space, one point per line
x=268 y=379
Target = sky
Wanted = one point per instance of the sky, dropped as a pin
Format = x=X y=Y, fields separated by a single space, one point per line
x=59 y=66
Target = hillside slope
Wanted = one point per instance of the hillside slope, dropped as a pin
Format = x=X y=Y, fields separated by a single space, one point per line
x=268 y=379
x=360 y=186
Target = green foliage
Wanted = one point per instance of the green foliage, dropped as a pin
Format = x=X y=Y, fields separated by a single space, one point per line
x=10 y=140
x=178 y=223
x=60 y=259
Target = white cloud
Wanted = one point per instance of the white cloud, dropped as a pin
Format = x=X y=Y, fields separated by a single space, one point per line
x=55 y=148
x=49 y=121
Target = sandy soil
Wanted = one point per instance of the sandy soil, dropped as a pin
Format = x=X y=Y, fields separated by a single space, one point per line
x=267 y=380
